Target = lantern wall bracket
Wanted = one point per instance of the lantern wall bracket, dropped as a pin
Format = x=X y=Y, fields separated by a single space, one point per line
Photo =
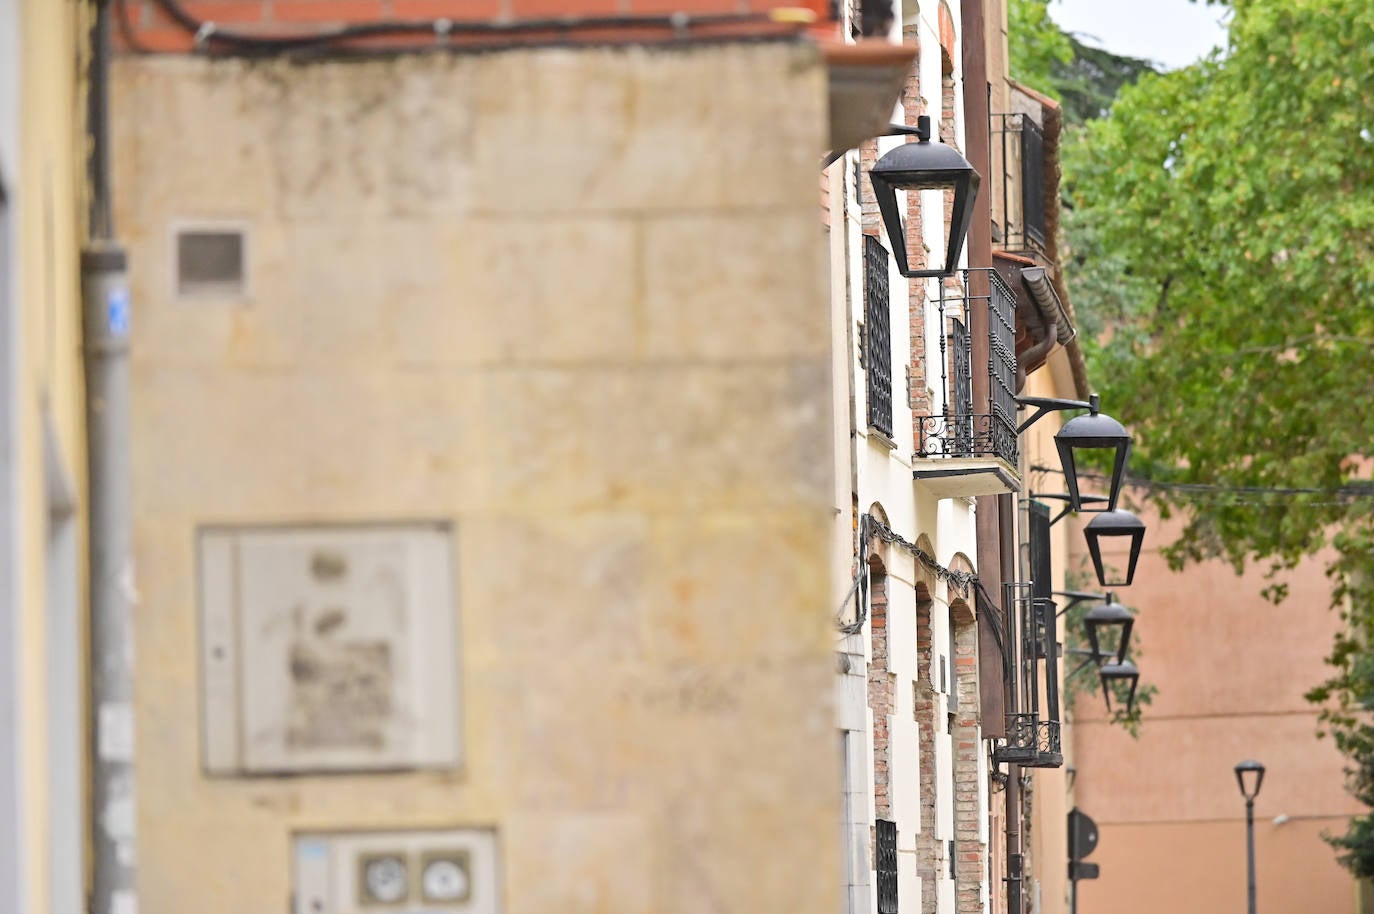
x=1079 y=596
x=1091 y=659
x=1095 y=431
x=1043 y=406
x=892 y=130
x=920 y=130
x=1068 y=499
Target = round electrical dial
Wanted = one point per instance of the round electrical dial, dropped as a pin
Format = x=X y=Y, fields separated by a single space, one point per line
x=444 y=880
x=385 y=879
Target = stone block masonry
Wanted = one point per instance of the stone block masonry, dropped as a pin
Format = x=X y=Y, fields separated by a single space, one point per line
x=571 y=303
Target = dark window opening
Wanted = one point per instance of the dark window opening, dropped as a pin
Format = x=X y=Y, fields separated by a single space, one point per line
x=877 y=316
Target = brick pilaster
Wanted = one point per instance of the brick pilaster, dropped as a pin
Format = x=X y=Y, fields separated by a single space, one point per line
x=971 y=852
x=927 y=847
x=880 y=694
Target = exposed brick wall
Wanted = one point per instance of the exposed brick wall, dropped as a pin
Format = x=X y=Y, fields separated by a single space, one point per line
x=971 y=853
x=880 y=690
x=869 y=219
x=149 y=28
x=917 y=398
x=948 y=135
x=927 y=846
x=947 y=39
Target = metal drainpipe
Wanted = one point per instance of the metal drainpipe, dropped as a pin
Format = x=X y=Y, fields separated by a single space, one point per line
x=105 y=313
x=1006 y=515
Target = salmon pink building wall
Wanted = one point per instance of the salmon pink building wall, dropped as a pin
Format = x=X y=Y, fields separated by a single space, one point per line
x=1231 y=670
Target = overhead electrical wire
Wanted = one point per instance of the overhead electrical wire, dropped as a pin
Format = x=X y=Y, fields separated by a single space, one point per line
x=1243 y=495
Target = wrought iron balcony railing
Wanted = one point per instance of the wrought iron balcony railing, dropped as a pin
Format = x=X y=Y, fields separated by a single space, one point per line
x=965 y=427
x=1020 y=209
x=1031 y=659
x=1031 y=742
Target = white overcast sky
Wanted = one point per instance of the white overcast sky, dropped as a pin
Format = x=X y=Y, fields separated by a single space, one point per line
x=1170 y=32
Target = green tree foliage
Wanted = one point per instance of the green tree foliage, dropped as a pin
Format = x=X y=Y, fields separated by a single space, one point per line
x=1234 y=201
x=1089 y=81
x=1035 y=44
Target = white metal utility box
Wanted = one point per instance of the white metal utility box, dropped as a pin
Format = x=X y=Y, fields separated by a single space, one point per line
x=329 y=649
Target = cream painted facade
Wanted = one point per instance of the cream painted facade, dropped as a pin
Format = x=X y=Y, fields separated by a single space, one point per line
x=899 y=677
x=42 y=466
x=567 y=304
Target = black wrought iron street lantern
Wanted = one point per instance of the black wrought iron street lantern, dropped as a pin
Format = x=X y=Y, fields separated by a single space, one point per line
x=1102 y=620
x=1124 y=672
x=1249 y=775
x=918 y=166
x=1095 y=431
x=1111 y=525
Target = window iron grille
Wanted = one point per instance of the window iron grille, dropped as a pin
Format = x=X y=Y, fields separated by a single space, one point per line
x=885 y=860
x=878 y=318
x=963 y=427
x=961 y=386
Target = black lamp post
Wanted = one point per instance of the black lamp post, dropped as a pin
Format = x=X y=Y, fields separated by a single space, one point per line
x=1111 y=524
x=918 y=166
x=1095 y=431
x=1123 y=671
x=1103 y=618
x=1250 y=775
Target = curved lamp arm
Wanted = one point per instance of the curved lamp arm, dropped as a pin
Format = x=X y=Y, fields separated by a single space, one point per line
x=1083 y=499
x=1079 y=596
x=1043 y=406
x=1091 y=659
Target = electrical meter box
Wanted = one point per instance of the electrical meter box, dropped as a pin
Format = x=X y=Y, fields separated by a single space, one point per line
x=328 y=649
x=402 y=872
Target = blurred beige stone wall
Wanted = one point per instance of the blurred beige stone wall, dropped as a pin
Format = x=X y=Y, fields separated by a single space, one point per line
x=570 y=301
